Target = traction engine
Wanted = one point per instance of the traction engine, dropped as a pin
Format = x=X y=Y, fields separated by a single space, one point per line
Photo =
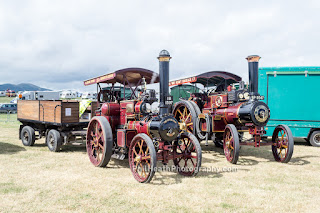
x=125 y=126
x=225 y=113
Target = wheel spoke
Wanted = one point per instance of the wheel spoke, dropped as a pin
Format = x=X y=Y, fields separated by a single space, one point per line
x=140 y=146
x=193 y=162
x=100 y=145
x=188 y=117
x=180 y=112
x=143 y=171
x=184 y=112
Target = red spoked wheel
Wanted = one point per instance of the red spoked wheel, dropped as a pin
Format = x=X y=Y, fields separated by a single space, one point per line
x=186 y=115
x=99 y=141
x=142 y=158
x=231 y=143
x=188 y=154
x=282 y=147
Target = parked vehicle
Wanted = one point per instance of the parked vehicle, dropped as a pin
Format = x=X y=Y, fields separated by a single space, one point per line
x=10 y=93
x=224 y=113
x=124 y=125
x=89 y=95
x=57 y=121
x=8 y=107
x=68 y=94
x=39 y=95
x=292 y=95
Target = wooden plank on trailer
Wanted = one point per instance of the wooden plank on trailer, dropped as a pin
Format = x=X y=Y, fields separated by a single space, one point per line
x=70 y=112
x=50 y=111
x=28 y=110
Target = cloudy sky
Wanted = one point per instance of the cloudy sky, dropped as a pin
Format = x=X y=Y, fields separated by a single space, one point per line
x=58 y=44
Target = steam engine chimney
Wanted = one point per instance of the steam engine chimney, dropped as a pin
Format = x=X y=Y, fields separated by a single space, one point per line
x=164 y=58
x=253 y=61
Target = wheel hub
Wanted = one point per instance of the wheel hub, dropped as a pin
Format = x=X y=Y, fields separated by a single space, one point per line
x=317 y=138
x=183 y=125
x=25 y=136
x=137 y=158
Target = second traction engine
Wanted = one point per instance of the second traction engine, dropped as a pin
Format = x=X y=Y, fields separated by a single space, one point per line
x=225 y=113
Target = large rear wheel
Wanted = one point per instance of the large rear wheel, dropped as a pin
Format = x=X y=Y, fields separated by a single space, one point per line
x=142 y=158
x=282 y=147
x=186 y=115
x=99 y=141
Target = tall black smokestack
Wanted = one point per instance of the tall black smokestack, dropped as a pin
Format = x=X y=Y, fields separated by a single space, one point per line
x=253 y=61
x=164 y=59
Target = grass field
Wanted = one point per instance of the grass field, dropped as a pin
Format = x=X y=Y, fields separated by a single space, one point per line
x=6 y=99
x=33 y=179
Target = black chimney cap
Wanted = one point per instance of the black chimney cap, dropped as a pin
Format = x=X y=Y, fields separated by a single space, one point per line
x=164 y=53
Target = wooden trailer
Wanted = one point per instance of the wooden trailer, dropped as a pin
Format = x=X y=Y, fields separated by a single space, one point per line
x=58 y=121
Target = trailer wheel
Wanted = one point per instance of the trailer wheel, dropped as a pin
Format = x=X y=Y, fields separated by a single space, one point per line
x=99 y=141
x=53 y=140
x=314 y=138
x=282 y=147
x=142 y=158
x=231 y=145
x=27 y=136
x=189 y=151
x=186 y=115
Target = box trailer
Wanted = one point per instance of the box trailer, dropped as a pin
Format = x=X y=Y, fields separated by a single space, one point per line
x=292 y=94
x=57 y=121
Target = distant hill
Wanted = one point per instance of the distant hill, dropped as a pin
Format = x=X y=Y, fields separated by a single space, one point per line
x=22 y=87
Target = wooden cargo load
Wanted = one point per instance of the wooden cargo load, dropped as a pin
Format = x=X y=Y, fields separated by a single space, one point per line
x=61 y=111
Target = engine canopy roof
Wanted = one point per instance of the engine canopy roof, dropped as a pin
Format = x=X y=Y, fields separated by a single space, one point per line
x=211 y=78
x=126 y=76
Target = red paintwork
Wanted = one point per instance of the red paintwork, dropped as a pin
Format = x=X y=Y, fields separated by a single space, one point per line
x=126 y=111
x=224 y=113
x=139 y=126
x=183 y=81
x=124 y=137
x=110 y=109
x=137 y=107
x=213 y=101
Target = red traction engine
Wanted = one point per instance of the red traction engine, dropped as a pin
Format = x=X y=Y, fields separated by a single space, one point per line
x=225 y=113
x=125 y=126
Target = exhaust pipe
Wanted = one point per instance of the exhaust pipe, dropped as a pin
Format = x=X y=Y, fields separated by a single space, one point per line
x=164 y=59
x=253 y=61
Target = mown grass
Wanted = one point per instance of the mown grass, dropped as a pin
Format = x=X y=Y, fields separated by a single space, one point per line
x=6 y=99
x=33 y=179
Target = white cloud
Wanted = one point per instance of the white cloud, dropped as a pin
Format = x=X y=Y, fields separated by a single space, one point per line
x=58 y=44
